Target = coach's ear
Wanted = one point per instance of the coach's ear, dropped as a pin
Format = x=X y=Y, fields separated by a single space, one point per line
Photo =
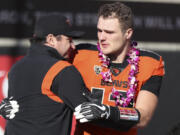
x=50 y=40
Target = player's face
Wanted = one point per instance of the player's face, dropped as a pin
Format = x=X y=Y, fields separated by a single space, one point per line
x=110 y=36
x=64 y=46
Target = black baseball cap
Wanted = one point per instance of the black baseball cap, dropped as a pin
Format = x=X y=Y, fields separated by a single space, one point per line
x=54 y=24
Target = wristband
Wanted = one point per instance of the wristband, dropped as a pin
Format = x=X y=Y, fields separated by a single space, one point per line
x=130 y=114
x=127 y=114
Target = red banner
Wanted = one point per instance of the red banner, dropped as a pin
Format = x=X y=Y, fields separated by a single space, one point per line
x=6 y=63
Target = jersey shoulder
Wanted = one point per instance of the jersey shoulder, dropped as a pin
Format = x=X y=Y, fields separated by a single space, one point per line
x=86 y=46
x=150 y=54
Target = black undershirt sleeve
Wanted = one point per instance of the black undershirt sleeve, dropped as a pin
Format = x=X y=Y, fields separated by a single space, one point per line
x=116 y=122
x=69 y=86
x=153 y=85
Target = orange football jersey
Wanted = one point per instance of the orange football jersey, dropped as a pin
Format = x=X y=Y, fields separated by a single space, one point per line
x=88 y=63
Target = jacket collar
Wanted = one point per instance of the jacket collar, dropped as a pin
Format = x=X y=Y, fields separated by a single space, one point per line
x=40 y=49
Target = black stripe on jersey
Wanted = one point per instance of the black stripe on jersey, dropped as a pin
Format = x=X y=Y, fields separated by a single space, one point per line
x=86 y=46
x=153 y=85
x=149 y=54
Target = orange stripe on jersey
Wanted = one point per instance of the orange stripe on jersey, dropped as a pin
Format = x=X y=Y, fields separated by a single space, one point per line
x=49 y=77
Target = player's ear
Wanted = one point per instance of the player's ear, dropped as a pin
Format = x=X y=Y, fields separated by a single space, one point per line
x=129 y=33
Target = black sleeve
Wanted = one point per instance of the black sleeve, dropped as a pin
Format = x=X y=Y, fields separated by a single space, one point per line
x=69 y=86
x=120 y=125
x=153 y=85
x=120 y=119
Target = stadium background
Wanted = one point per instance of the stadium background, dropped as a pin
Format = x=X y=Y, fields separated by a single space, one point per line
x=157 y=28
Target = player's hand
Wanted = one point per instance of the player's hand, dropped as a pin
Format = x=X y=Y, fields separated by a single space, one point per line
x=8 y=108
x=89 y=111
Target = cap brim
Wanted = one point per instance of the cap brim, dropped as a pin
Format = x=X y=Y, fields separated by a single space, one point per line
x=75 y=34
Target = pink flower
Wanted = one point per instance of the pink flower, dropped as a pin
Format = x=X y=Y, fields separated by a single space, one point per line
x=107 y=76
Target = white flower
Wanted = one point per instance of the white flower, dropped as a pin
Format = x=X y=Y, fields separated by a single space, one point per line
x=133 y=67
x=133 y=79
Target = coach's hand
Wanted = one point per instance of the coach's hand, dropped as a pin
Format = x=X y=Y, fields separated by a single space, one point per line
x=89 y=111
x=8 y=108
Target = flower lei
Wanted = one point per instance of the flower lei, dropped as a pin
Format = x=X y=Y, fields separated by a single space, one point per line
x=107 y=76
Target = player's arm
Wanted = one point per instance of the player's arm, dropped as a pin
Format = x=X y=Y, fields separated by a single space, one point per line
x=119 y=118
x=107 y=116
x=146 y=104
x=147 y=99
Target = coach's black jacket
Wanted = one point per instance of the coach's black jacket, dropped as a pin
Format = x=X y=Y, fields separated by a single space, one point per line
x=40 y=114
